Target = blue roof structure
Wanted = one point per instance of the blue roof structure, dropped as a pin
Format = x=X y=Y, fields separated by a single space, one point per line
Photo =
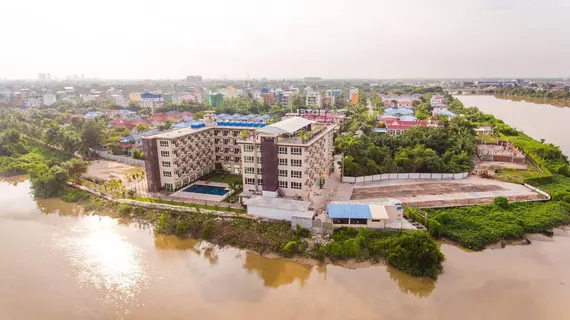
x=92 y=114
x=138 y=136
x=380 y=130
x=349 y=211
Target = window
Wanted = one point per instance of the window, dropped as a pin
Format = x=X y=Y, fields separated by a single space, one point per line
x=296 y=185
x=166 y=164
x=227 y=158
x=282 y=150
x=163 y=143
x=259 y=182
x=282 y=162
x=248 y=159
x=167 y=174
x=165 y=153
x=248 y=148
x=226 y=150
x=376 y=220
x=283 y=173
x=296 y=174
x=218 y=149
x=217 y=132
x=249 y=181
x=168 y=186
x=296 y=151
x=282 y=184
x=249 y=170
x=296 y=162
x=259 y=170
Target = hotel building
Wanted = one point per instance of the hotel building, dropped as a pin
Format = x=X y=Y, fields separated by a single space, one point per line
x=178 y=157
x=287 y=158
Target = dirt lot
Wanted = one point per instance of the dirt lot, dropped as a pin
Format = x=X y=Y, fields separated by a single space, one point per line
x=107 y=170
x=420 y=189
x=435 y=193
x=500 y=165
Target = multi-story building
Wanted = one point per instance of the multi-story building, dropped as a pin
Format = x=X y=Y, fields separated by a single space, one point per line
x=216 y=100
x=353 y=96
x=32 y=102
x=151 y=100
x=313 y=100
x=49 y=99
x=333 y=93
x=120 y=100
x=176 y=158
x=287 y=100
x=135 y=96
x=291 y=157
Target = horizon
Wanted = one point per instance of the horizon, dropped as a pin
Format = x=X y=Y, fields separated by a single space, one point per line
x=338 y=39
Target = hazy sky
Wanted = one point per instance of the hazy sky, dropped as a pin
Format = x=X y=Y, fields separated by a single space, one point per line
x=285 y=39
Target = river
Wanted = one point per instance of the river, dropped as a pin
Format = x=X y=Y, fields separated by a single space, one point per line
x=59 y=263
x=540 y=121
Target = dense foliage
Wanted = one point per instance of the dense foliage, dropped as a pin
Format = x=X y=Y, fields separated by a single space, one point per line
x=475 y=227
x=449 y=148
x=558 y=97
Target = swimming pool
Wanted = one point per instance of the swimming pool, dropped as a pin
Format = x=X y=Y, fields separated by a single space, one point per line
x=213 y=190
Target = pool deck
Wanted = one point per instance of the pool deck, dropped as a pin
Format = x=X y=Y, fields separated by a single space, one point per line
x=201 y=196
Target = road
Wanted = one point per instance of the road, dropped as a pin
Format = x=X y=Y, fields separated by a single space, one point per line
x=369 y=105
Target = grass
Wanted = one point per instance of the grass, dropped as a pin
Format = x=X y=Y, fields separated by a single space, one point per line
x=515 y=175
x=221 y=177
x=475 y=227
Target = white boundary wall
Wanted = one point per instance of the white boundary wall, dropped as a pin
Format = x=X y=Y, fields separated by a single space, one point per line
x=406 y=176
x=123 y=159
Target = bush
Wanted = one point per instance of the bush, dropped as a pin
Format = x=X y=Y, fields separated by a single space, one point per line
x=435 y=228
x=290 y=249
x=417 y=254
x=303 y=233
x=138 y=154
x=181 y=228
x=208 y=229
x=125 y=210
x=501 y=202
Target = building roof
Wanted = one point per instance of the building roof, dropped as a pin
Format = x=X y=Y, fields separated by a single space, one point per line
x=278 y=203
x=348 y=210
x=287 y=126
x=445 y=112
x=485 y=128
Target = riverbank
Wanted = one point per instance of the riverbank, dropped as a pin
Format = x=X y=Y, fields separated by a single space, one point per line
x=537 y=100
x=412 y=252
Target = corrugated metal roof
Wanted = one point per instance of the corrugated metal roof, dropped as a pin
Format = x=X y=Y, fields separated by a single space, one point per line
x=287 y=126
x=349 y=210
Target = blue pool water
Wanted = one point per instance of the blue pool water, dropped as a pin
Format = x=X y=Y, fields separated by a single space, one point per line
x=200 y=188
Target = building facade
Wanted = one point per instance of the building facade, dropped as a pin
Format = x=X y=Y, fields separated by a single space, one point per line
x=291 y=157
x=216 y=100
x=176 y=158
x=353 y=96
x=313 y=100
x=49 y=99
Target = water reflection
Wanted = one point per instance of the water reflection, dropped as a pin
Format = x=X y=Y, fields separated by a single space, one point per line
x=103 y=259
x=59 y=207
x=419 y=287
x=276 y=272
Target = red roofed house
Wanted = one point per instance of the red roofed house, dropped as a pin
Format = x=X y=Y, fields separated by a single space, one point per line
x=159 y=118
x=396 y=127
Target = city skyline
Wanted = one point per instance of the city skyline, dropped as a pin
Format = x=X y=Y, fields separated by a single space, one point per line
x=335 y=39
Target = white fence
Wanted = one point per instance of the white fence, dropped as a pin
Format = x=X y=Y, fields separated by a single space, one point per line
x=406 y=176
x=123 y=159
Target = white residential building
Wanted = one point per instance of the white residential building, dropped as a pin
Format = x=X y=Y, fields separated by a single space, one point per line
x=287 y=100
x=49 y=99
x=120 y=100
x=313 y=100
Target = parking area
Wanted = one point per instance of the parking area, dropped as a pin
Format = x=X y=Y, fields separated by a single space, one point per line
x=437 y=193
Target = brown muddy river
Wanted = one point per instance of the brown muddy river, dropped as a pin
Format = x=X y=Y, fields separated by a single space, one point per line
x=57 y=263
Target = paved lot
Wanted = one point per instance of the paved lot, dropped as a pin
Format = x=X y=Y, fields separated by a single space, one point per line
x=435 y=193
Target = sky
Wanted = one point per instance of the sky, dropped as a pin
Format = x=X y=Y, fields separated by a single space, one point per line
x=239 y=39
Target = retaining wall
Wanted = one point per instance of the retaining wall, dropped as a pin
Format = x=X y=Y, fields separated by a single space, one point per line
x=406 y=176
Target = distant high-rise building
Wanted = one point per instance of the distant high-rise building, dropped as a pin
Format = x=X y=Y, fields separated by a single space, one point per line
x=216 y=100
x=354 y=96
x=313 y=100
x=42 y=77
x=193 y=79
x=48 y=76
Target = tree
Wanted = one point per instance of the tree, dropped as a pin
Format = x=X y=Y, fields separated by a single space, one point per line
x=46 y=182
x=92 y=136
x=137 y=154
x=75 y=168
x=142 y=127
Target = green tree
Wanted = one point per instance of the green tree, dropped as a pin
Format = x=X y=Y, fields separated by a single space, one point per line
x=142 y=127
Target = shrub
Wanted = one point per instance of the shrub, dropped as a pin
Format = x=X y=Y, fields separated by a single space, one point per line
x=74 y=195
x=290 y=249
x=501 y=202
x=435 y=228
x=303 y=233
x=416 y=253
x=125 y=210
x=209 y=229
x=181 y=228
x=164 y=224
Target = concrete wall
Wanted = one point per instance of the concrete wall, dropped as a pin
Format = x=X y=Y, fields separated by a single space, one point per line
x=270 y=213
x=406 y=176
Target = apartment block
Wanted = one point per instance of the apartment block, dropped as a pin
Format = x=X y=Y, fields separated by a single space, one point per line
x=289 y=158
x=353 y=96
x=313 y=100
x=176 y=158
x=49 y=99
